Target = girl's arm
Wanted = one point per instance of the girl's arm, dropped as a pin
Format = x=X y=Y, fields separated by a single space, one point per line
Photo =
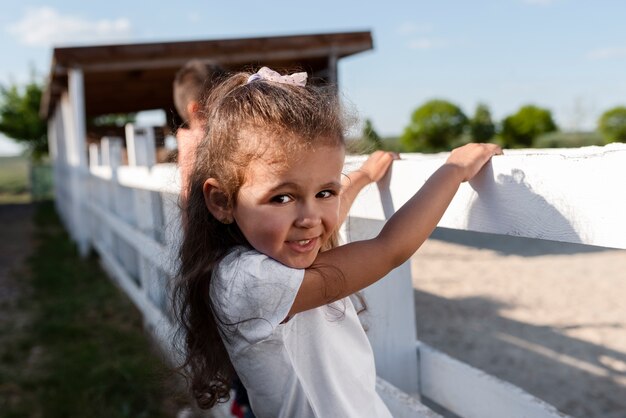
x=344 y=270
x=372 y=170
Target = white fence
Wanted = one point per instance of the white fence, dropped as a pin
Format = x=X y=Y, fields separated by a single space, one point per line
x=129 y=215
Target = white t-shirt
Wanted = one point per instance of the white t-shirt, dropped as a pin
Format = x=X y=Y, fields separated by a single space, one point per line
x=317 y=364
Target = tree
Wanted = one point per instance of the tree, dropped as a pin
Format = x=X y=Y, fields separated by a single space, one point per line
x=19 y=116
x=482 y=128
x=612 y=124
x=519 y=130
x=371 y=136
x=434 y=127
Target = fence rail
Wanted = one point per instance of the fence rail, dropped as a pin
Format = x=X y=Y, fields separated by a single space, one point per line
x=130 y=217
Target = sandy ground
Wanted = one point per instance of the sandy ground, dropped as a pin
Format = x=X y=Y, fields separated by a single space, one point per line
x=548 y=317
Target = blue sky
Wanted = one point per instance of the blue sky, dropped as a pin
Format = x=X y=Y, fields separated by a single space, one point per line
x=566 y=55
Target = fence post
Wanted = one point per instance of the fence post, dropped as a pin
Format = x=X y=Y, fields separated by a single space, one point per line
x=94 y=155
x=390 y=315
x=111 y=149
x=147 y=208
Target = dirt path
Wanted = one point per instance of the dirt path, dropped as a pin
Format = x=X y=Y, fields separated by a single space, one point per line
x=548 y=317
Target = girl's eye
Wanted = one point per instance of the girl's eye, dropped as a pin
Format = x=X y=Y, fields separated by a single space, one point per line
x=325 y=194
x=283 y=198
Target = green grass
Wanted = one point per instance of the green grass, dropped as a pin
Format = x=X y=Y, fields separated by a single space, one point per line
x=81 y=351
x=14 y=180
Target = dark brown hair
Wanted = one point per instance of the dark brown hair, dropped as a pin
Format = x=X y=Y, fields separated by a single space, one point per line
x=244 y=121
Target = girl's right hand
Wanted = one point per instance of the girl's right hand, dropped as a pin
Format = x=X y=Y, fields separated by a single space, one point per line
x=470 y=158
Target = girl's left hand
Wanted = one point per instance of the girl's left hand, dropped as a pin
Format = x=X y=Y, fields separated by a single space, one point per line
x=376 y=166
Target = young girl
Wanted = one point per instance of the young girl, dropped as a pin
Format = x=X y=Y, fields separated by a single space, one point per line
x=263 y=288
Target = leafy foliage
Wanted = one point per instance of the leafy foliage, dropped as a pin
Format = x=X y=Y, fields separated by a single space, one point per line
x=113 y=119
x=371 y=136
x=434 y=127
x=482 y=128
x=519 y=130
x=612 y=124
x=19 y=116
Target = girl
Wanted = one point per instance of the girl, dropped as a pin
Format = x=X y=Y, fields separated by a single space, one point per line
x=263 y=288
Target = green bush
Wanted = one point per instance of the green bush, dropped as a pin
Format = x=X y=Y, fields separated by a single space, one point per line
x=612 y=124
x=482 y=128
x=434 y=127
x=520 y=129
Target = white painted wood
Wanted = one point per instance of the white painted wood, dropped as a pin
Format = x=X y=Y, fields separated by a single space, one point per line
x=94 y=155
x=78 y=156
x=52 y=136
x=156 y=253
x=400 y=404
x=110 y=151
x=562 y=195
x=140 y=145
x=102 y=172
x=471 y=393
x=76 y=92
x=147 y=207
x=390 y=316
x=163 y=178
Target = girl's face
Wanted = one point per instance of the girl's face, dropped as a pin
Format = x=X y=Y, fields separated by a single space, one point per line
x=288 y=209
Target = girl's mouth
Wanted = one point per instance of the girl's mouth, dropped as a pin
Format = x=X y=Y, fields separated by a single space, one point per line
x=303 y=245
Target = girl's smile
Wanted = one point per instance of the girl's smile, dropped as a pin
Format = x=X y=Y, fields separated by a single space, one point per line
x=288 y=210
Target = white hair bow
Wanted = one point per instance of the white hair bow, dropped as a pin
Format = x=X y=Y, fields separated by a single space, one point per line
x=267 y=74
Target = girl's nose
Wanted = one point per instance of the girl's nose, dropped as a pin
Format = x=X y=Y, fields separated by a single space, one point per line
x=308 y=217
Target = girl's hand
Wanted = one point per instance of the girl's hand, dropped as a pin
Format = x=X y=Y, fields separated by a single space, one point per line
x=471 y=158
x=376 y=166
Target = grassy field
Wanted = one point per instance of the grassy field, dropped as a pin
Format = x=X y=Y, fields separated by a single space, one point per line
x=75 y=346
x=14 y=187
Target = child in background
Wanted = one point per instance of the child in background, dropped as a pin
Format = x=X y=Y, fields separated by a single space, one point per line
x=192 y=84
x=263 y=288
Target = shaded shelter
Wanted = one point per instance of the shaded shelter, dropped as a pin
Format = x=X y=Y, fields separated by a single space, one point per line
x=129 y=78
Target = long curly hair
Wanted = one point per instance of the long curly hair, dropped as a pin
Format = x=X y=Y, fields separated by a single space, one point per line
x=244 y=121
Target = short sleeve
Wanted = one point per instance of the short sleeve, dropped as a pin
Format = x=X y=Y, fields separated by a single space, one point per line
x=252 y=294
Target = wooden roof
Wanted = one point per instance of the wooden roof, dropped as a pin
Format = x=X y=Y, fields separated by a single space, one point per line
x=133 y=77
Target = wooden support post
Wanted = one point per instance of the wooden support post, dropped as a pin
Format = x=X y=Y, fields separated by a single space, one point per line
x=77 y=156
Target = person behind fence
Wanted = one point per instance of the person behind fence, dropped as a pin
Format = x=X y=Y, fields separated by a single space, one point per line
x=264 y=289
x=192 y=84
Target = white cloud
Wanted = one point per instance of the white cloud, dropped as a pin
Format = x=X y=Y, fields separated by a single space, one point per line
x=426 y=43
x=607 y=53
x=44 y=26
